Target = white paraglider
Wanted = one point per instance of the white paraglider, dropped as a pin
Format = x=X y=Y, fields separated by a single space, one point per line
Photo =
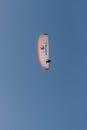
x=43 y=51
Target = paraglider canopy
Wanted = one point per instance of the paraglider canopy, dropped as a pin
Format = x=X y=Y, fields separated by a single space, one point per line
x=43 y=51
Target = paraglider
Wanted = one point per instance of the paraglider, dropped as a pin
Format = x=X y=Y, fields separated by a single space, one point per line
x=43 y=51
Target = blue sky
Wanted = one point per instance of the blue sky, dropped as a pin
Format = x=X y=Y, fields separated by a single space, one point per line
x=31 y=98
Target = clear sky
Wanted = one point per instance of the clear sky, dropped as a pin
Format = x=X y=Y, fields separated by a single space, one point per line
x=31 y=98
